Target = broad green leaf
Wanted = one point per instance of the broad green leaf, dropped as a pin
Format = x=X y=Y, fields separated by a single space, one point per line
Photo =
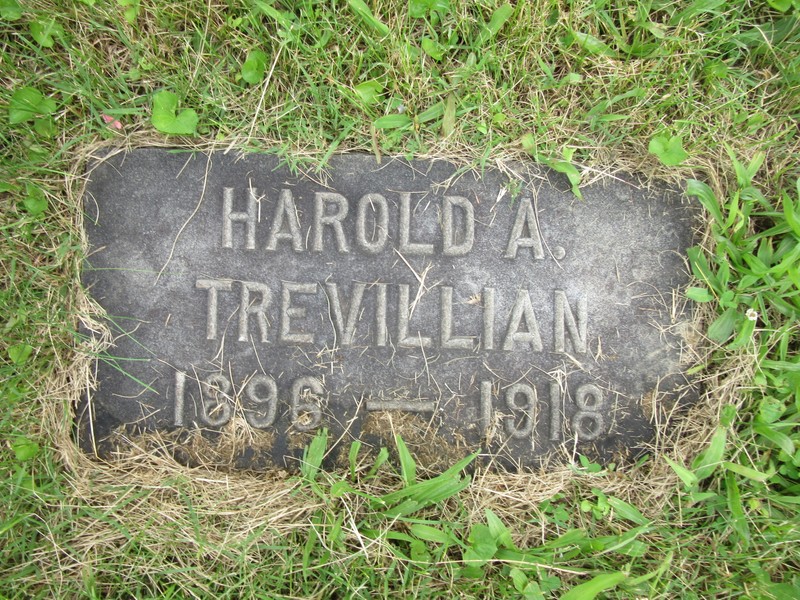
x=699 y=294
x=738 y=519
x=723 y=326
x=570 y=538
x=499 y=531
x=748 y=472
x=43 y=32
x=591 y=44
x=528 y=143
x=482 y=545
x=431 y=113
x=744 y=335
x=433 y=48
x=393 y=121
x=669 y=150
x=19 y=353
x=449 y=117
x=572 y=173
x=695 y=8
x=24 y=449
x=45 y=126
x=431 y=534
x=362 y=10
x=419 y=552
x=627 y=511
x=254 y=67
x=708 y=460
x=131 y=9
x=688 y=478
x=405 y=508
x=166 y=119
x=770 y=409
x=700 y=268
x=496 y=22
x=780 y=5
x=35 y=201
x=369 y=91
x=780 y=439
x=791 y=213
x=590 y=589
x=10 y=10
x=519 y=579
x=625 y=543
x=703 y=193
x=417 y=9
x=28 y=103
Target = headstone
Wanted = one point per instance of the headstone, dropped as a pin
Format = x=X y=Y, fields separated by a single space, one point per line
x=253 y=304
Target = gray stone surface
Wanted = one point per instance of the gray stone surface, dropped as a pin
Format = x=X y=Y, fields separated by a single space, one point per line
x=462 y=310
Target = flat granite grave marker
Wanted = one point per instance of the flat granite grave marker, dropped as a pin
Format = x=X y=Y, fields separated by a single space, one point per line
x=461 y=310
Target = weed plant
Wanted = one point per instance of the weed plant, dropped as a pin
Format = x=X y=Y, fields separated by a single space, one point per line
x=697 y=91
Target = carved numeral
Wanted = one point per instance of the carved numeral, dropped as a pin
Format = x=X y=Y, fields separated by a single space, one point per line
x=262 y=393
x=589 y=422
x=216 y=407
x=306 y=414
x=556 y=411
x=180 y=387
x=527 y=410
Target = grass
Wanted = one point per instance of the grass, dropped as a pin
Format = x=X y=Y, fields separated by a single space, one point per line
x=692 y=90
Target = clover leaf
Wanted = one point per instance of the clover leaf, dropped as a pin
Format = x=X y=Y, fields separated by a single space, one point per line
x=167 y=119
x=669 y=150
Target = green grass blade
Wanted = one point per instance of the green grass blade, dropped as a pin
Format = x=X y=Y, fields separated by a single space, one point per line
x=408 y=468
x=598 y=584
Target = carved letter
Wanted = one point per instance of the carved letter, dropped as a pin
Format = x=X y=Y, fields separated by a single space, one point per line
x=488 y=318
x=288 y=311
x=407 y=246
x=258 y=309
x=380 y=229
x=285 y=209
x=248 y=218
x=381 y=335
x=451 y=248
x=333 y=220
x=526 y=217
x=402 y=323
x=448 y=341
x=564 y=316
x=212 y=285
x=345 y=329
x=523 y=311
